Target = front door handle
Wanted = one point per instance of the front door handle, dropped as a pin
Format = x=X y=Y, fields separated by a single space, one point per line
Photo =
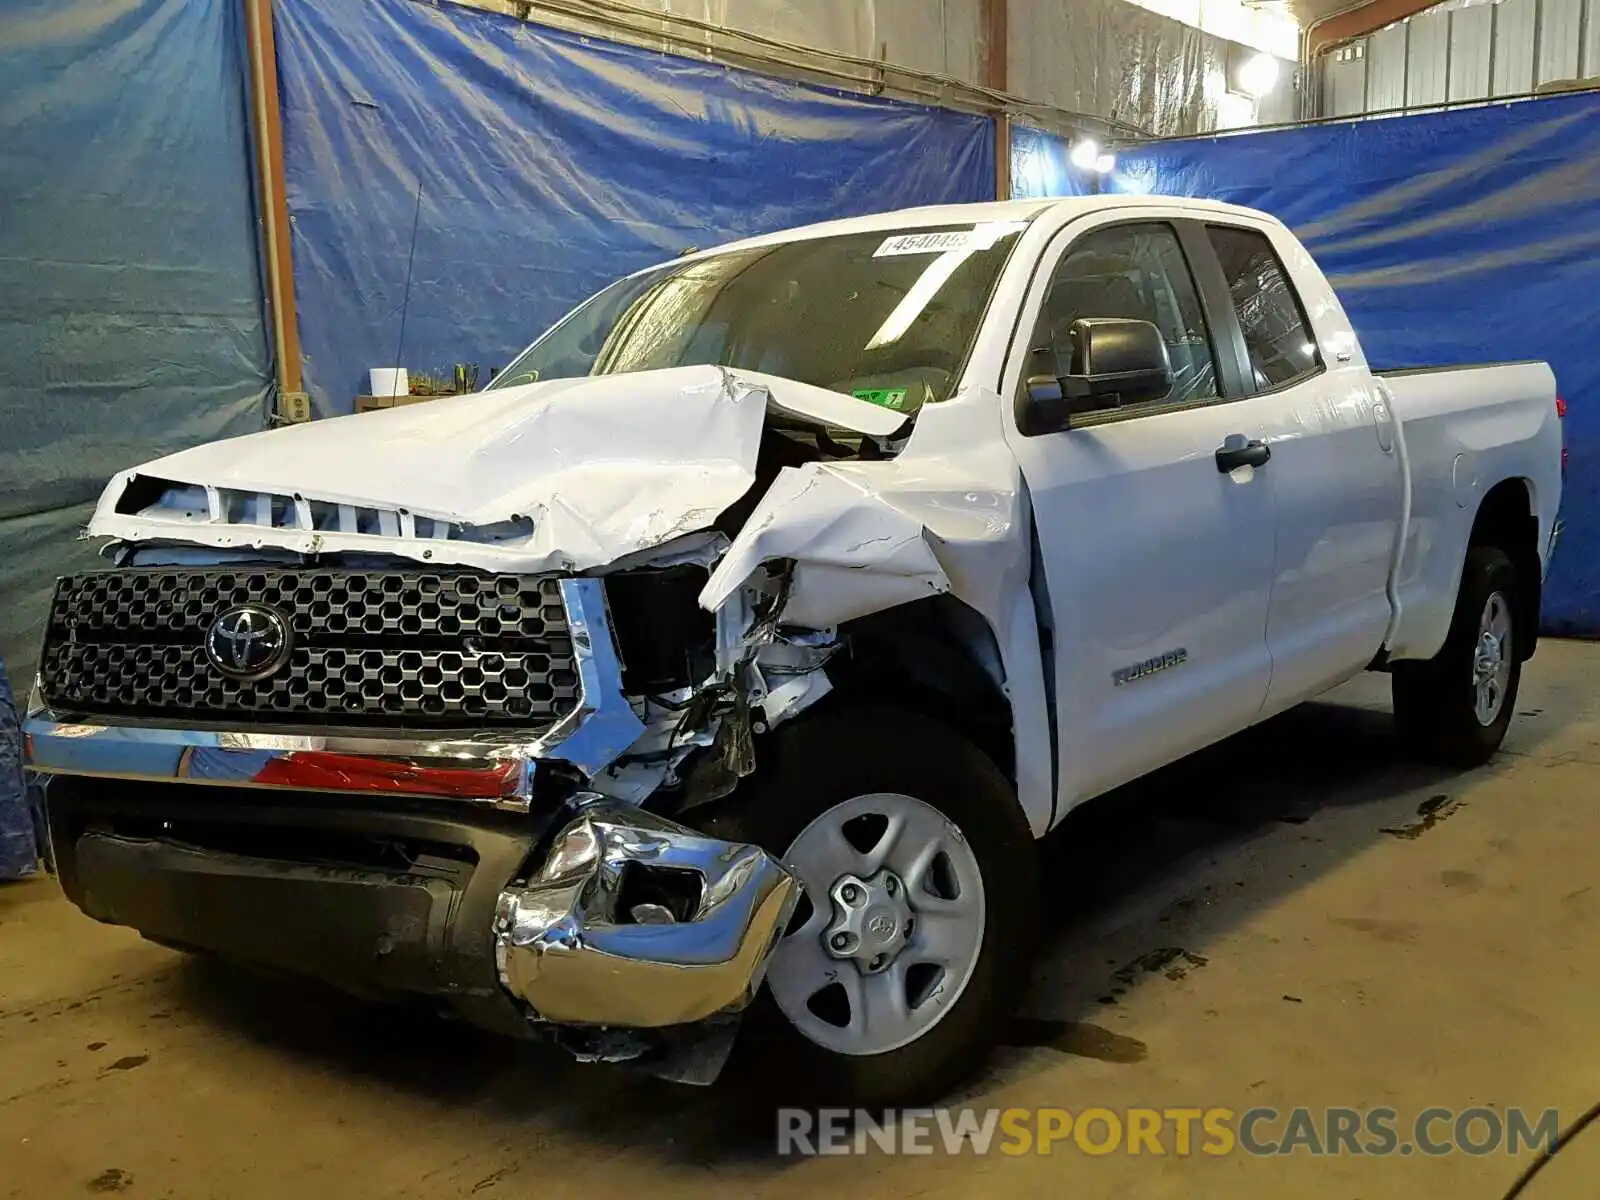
x=1236 y=452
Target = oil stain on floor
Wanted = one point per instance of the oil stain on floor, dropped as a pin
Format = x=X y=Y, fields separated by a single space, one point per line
x=1431 y=811
x=1075 y=1037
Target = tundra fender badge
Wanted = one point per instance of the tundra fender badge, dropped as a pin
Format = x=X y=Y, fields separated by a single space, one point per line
x=1149 y=666
x=248 y=641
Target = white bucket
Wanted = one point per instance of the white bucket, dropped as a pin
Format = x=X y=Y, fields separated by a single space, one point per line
x=389 y=381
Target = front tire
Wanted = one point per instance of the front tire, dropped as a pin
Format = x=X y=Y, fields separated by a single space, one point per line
x=1455 y=708
x=913 y=941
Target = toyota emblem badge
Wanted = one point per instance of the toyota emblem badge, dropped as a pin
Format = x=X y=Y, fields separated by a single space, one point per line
x=248 y=641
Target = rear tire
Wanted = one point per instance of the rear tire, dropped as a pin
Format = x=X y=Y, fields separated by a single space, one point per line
x=964 y=870
x=1455 y=708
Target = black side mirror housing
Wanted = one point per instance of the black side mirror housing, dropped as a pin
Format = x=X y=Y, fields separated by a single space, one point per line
x=1115 y=362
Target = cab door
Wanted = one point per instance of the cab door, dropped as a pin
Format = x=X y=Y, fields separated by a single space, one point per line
x=1154 y=540
x=1334 y=471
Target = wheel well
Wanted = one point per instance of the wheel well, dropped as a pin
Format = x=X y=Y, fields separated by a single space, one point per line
x=937 y=657
x=1506 y=520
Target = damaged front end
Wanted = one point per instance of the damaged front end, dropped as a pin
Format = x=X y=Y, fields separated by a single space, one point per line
x=626 y=934
x=635 y=921
x=635 y=936
x=596 y=694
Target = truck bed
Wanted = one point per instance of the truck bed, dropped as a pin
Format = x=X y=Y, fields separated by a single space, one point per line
x=1457 y=426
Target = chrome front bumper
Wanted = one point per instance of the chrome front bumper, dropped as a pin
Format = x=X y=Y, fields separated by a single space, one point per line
x=495 y=767
x=567 y=944
x=571 y=945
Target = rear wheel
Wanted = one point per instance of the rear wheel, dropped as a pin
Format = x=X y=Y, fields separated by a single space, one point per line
x=1456 y=707
x=916 y=928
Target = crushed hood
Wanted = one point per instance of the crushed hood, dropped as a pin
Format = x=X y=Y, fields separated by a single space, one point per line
x=563 y=474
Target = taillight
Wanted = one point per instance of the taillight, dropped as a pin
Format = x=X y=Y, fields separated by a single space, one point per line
x=1561 y=408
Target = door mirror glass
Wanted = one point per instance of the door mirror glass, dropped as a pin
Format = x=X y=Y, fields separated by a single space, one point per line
x=1114 y=362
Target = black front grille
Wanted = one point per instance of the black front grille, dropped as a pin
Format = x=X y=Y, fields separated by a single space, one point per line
x=432 y=649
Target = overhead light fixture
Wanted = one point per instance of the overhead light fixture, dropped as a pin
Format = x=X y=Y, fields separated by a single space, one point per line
x=1235 y=111
x=1258 y=76
x=1086 y=156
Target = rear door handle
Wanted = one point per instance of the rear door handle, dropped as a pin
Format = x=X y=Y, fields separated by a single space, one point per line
x=1236 y=452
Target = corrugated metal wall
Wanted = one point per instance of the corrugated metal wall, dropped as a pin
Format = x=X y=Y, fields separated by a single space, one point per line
x=1463 y=50
x=1105 y=58
x=1118 y=60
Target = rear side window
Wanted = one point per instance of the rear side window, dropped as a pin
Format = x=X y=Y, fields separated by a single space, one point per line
x=1276 y=332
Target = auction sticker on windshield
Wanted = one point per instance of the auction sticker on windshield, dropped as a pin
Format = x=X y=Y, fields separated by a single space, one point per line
x=925 y=243
x=943 y=241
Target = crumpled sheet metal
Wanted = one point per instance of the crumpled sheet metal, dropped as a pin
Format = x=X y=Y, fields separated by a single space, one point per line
x=948 y=514
x=866 y=536
x=603 y=466
x=563 y=945
x=856 y=552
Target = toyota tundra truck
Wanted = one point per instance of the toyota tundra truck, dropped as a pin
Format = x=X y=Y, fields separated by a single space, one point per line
x=720 y=663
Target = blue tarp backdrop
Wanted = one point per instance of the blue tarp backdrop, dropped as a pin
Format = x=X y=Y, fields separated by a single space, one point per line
x=1040 y=168
x=548 y=164
x=1453 y=237
x=17 y=838
x=130 y=297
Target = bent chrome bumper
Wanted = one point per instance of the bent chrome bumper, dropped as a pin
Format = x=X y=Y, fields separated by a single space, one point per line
x=584 y=941
x=494 y=767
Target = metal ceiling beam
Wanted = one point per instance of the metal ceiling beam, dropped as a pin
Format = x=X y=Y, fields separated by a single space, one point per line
x=1358 y=21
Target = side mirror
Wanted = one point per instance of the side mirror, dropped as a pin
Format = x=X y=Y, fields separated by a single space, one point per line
x=1115 y=362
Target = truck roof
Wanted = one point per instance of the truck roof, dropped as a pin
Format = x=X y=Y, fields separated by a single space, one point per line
x=998 y=210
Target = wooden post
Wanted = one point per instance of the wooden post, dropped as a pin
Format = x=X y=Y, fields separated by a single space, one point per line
x=267 y=130
x=993 y=15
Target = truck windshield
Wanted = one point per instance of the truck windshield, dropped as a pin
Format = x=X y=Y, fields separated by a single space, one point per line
x=887 y=316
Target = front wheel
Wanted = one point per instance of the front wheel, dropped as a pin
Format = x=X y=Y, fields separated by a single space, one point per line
x=1455 y=708
x=916 y=927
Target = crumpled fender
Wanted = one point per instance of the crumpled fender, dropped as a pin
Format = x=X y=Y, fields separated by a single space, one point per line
x=856 y=552
x=948 y=514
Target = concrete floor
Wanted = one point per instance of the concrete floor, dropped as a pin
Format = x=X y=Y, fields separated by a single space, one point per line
x=1270 y=923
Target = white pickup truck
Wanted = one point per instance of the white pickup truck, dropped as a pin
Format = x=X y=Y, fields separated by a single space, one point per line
x=722 y=660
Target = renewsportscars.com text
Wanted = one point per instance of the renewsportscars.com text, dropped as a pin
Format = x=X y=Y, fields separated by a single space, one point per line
x=1181 y=1132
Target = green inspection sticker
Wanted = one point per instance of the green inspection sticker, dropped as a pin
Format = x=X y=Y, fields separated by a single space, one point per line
x=883 y=397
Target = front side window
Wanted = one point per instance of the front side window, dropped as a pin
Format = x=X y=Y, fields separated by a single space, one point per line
x=1135 y=272
x=886 y=316
x=1276 y=333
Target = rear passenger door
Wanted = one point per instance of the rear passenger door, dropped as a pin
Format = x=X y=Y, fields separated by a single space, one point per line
x=1334 y=471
